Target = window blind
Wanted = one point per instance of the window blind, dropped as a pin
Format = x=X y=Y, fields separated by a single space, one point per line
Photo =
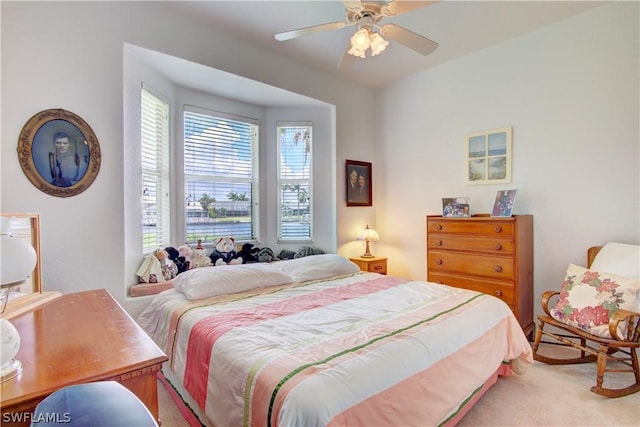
x=156 y=213
x=221 y=175
x=294 y=181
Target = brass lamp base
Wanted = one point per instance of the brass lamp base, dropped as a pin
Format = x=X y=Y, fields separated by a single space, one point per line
x=367 y=252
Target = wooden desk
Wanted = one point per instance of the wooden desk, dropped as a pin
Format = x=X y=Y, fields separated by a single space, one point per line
x=79 y=338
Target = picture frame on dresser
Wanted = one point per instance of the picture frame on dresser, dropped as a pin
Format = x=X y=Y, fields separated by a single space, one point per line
x=455 y=207
x=504 y=203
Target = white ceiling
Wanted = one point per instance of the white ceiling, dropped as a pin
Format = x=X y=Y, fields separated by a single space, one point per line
x=460 y=28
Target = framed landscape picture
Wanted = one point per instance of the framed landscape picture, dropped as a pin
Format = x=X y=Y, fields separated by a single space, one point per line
x=503 y=206
x=455 y=207
x=488 y=159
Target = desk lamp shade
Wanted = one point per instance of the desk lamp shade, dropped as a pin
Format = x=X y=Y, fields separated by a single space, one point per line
x=368 y=235
x=17 y=261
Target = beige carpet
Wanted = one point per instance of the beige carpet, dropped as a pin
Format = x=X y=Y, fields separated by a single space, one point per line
x=544 y=396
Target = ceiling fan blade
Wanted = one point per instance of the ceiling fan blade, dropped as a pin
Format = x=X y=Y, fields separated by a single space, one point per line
x=408 y=38
x=398 y=7
x=288 y=35
x=347 y=61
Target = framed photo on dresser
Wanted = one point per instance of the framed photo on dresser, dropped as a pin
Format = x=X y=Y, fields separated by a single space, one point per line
x=455 y=207
x=503 y=206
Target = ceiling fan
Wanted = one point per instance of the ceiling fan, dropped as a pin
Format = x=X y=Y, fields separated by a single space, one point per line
x=366 y=15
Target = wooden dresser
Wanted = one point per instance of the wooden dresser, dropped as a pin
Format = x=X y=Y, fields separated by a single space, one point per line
x=486 y=254
x=79 y=338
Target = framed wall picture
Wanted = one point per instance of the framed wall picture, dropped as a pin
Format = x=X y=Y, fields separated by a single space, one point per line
x=505 y=200
x=358 y=183
x=488 y=159
x=455 y=207
x=59 y=153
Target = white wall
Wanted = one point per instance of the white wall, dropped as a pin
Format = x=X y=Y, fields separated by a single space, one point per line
x=70 y=55
x=571 y=93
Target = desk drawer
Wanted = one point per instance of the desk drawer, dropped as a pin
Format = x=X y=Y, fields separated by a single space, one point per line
x=487 y=266
x=501 y=290
x=489 y=227
x=488 y=245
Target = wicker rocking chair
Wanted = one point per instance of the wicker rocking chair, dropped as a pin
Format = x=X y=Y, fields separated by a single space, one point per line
x=622 y=349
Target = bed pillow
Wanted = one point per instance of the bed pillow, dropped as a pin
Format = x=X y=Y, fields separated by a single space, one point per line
x=588 y=298
x=316 y=267
x=205 y=282
x=618 y=258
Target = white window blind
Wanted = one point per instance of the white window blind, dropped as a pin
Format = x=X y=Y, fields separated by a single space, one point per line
x=221 y=175
x=295 y=222
x=156 y=215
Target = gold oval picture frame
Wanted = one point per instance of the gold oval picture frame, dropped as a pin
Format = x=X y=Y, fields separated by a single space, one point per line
x=59 y=153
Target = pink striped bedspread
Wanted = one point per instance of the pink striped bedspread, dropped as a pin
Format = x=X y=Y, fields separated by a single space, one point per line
x=364 y=350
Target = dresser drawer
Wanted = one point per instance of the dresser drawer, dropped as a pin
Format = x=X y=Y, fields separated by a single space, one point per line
x=470 y=226
x=373 y=265
x=488 y=266
x=488 y=245
x=503 y=291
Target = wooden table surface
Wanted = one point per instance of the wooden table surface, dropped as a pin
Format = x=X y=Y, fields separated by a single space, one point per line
x=78 y=338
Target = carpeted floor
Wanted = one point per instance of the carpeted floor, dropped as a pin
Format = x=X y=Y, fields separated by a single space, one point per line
x=544 y=396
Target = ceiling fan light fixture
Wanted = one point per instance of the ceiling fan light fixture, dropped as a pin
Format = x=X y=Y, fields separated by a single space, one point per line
x=364 y=39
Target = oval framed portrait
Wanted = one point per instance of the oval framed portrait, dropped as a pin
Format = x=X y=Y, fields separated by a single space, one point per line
x=59 y=153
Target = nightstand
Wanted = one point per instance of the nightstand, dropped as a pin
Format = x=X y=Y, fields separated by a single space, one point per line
x=373 y=265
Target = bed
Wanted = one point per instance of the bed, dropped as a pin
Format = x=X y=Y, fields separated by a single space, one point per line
x=314 y=342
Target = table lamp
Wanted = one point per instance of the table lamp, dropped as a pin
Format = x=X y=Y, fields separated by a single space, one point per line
x=17 y=261
x=368 y=235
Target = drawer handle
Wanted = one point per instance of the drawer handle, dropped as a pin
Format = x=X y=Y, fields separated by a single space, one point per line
x=498 y=229
x=438 y=262
x=497 y=293
x=438 y=242
x=377 y=267
x=438 y=227
x=439 y=282
x=498 y=268
x=498 y=246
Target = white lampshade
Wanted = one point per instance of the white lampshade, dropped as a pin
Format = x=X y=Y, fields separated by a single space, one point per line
x=359 y=43
x=17 y=257
x=369 y=234
x=378 y=44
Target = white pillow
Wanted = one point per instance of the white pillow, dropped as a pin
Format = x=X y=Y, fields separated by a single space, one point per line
x=316 y=267
x=205 y=282
x=618 y=258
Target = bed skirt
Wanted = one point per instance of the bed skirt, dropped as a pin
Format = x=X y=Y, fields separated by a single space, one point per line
x=197 y=418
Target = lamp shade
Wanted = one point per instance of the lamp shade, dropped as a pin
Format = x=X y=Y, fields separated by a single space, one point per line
x=17 y=257
x=369 y=234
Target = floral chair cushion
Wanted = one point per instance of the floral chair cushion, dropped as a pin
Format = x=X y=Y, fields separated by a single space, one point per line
x=588 y=298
